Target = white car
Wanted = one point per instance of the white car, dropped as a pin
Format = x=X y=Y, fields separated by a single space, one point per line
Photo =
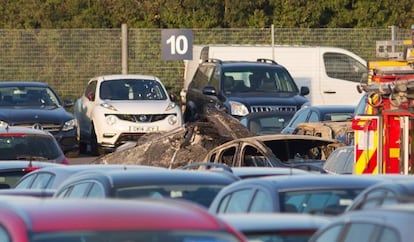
x=115 y=109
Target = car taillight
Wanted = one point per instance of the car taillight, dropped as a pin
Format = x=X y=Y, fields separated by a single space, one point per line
x=30 y=168
x=65 y=162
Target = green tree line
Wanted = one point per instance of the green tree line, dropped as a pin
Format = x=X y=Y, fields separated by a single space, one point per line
x=56 y=14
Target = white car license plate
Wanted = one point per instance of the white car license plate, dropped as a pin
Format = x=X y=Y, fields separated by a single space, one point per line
x=146 y=129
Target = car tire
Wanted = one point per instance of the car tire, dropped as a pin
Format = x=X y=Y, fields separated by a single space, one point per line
x=83 y=147
x=96 y=150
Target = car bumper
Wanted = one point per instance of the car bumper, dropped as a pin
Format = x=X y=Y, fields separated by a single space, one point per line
x=68 y=140
x=123 y=131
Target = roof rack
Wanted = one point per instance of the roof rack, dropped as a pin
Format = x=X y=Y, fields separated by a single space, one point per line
x=213 y=60
x=263 y=60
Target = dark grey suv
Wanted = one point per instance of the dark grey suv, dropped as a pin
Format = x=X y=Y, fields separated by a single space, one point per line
x=242 y=87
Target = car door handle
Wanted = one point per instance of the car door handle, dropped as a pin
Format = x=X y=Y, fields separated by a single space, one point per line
x=329 y=92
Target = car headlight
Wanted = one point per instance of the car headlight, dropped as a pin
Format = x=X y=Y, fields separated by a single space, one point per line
x=170 y=106
x=108 y=106
x=3 y=124
x=111 y=119
x=238 y=109
x=71 y=124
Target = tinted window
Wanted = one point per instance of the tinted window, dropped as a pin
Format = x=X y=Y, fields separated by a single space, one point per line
x=261 y=202
x=388 y=234
x=130 y=89
x=359 y=232
x=239 y=201
x=79 y=190
x=261 y=78
x=4 y=235
x=25 y=183
x=42 y=181
x=96 y=191
x=300 y=118
x=320 y=201
x=314 y=117
x=331 y=234
x=202 y=76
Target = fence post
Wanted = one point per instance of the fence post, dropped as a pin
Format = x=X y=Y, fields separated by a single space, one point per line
x=124 y=37
x=273 y=42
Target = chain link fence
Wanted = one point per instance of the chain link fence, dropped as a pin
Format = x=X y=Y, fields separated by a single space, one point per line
x=68 y=58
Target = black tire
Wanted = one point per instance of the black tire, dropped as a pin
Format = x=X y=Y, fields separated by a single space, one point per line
x=96 y=150
x=83 y=148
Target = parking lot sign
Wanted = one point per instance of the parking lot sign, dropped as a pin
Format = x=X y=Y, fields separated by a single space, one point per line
x=177 y=44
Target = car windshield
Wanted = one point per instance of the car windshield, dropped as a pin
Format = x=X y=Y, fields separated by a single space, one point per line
x=201 y=194
x=132 y=89
x=28 y=147
x=135 y=236
x=28 y=96
x=258 y=79
x=325 y=201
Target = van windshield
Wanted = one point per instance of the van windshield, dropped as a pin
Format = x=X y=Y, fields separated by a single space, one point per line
x=257 y=79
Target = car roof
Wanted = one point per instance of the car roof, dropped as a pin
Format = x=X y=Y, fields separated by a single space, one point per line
x=255 y=222
x=64 y=171
x=313 y=181
x=130 y=177
x=124 y=76
x=96 y=214
x=247 y=172
x=332 y=108
x=23 y=84
x=287 y=137
x=25 y=164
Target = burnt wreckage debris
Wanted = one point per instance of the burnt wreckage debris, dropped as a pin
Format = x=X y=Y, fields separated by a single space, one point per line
x=182 y=146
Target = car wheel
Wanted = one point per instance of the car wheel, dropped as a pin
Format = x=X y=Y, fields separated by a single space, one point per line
x=96 y=150
x=83 y=147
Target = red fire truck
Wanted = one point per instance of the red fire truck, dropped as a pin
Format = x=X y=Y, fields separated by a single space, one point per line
x=383 y=134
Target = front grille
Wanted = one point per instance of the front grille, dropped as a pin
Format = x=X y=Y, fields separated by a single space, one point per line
x=256 y=109
x=52 y=128
x=141 y=118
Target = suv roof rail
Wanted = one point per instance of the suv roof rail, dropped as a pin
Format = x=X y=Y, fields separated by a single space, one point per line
x=264 y=60
x=213 y=60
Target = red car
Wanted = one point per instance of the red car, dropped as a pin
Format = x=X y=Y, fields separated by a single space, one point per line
x=110 y=220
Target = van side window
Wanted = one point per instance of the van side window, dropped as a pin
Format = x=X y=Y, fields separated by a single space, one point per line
x=342 y=66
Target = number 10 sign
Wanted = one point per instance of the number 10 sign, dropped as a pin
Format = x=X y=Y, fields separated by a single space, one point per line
x=177 y=44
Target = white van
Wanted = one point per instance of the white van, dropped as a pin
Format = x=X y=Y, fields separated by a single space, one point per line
x=332 y=74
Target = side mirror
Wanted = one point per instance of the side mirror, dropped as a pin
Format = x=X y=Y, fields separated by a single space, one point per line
x=67 y=103
x=173 y=97
x=90 y=96
x=304 y=91
x=209 y=90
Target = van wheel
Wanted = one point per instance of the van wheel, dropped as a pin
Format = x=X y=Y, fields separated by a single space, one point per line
x=96 y=150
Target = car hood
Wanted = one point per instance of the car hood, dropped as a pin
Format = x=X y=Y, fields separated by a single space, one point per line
x=142 y=107
x=31 y=115
x=269 y=98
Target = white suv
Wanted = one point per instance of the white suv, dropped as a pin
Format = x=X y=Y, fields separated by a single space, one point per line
x=115 y=109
